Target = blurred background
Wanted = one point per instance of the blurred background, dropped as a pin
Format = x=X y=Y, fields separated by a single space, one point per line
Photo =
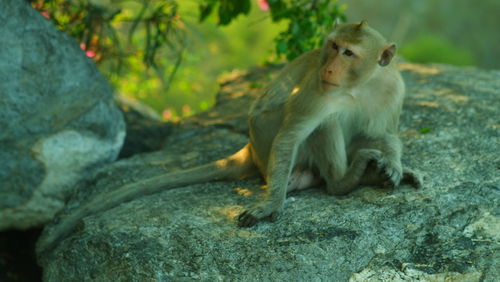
x=169 y=54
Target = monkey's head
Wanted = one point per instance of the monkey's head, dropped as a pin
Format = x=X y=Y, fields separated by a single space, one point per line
x=351 y=54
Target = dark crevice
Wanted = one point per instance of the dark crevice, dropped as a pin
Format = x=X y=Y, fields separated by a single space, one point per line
x=17 y=256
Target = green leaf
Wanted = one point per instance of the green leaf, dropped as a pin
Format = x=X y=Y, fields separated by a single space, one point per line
x=245 y=6
x=225 y=12
x=425 y=130
x=281 y=47
x=205 y=11
x=279 y=10
x=229 y=10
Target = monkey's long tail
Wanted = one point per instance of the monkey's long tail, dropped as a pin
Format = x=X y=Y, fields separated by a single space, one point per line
x=235 y=166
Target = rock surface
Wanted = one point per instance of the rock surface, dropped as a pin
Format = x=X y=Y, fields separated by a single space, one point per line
x=446 y=231
x=58 y=120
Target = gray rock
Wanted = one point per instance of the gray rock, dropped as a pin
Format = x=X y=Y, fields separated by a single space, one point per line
x=58 y=120
x=446 y=231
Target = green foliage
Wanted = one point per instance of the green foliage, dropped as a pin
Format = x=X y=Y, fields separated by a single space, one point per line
x=90 y=24
x=308 y=21
x=228 y=9
x=428 y=48
x=112 y=31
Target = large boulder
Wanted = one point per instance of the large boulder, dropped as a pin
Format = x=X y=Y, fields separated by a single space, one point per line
x=446 y=231
x=58 y=120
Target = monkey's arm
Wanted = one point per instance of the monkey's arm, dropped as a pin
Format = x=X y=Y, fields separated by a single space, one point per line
x=281 y=161
x=297 y=126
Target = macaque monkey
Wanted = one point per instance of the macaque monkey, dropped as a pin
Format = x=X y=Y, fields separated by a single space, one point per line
x=330 y=116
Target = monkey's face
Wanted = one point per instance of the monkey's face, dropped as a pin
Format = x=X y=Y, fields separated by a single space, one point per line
x=339 y=58
x=351 y=55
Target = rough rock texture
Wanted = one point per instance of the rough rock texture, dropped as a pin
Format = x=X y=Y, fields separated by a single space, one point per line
x=58 y=120
x=447 y=231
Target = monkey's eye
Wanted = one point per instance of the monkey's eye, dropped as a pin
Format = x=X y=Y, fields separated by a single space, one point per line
x=348 y=53
x=335 y=46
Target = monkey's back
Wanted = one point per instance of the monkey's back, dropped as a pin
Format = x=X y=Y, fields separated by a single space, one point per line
x=277 y=92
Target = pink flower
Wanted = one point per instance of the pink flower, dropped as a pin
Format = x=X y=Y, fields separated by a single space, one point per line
x=167 y=114
x=45 y=14
x=263 y=5
x=89 y=53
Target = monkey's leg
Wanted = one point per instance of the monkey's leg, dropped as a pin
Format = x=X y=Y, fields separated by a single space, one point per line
x=327 y=145
x=262 y=133
x=355 y=173
x=384 y=168
x=373 y=161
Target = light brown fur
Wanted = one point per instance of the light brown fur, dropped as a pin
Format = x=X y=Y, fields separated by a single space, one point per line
x=337 y=111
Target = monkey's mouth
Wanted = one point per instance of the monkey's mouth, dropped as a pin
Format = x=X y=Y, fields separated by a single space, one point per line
x=330 y=83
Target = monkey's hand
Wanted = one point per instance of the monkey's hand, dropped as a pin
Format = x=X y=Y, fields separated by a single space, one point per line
x=389 y=171
x=264 y=211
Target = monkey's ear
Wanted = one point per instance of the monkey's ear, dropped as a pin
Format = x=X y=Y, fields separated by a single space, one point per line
x=361 y=24
x=387 y=55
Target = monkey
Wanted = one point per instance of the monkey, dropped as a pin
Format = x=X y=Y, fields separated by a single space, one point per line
x=337 y=119
x=330 y=116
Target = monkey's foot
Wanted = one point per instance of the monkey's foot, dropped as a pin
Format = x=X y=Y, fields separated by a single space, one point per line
x=412 y=177
x=251 y=216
